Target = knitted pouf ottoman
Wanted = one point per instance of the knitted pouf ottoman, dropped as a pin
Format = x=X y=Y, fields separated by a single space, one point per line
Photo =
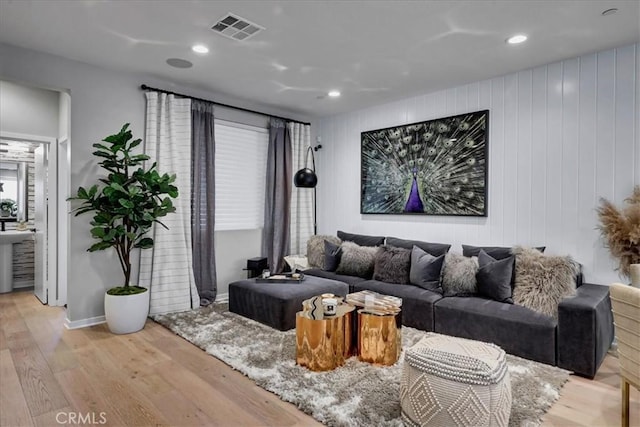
x=448 y=381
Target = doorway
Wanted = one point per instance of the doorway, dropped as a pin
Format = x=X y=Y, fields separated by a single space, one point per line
x=47 y=189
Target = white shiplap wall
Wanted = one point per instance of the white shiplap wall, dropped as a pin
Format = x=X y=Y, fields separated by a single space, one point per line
x=561 y=136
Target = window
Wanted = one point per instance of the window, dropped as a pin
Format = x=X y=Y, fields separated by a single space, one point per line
x=241 y=166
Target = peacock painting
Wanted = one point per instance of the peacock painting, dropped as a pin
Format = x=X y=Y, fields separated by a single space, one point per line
x=437 y=167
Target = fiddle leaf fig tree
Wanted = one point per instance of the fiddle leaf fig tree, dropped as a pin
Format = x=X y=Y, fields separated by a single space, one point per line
x=126 y=203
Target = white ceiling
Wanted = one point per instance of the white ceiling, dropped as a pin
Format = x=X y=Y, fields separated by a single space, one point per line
x=373 y=52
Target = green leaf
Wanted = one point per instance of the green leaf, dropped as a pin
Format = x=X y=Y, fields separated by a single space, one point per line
x=98 y=232
x=82 y=193
x=100 y=246
x=103 y=154
x=145 y=243
x=117 y=187
x=126 y=203
x=102 y=218
x=135 y=143
x=140 y=157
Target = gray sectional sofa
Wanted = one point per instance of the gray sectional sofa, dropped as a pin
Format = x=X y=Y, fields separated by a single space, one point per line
x=577 y=340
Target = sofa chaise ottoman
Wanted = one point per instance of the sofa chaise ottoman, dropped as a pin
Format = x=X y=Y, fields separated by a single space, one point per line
x=276 y=304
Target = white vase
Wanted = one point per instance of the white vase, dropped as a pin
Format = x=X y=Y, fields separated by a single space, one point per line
x=126 y=313
x=634 y=272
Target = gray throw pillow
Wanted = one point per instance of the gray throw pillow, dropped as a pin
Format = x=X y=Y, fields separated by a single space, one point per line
x=426 y=270
x=435 y=249
x=357 y=260
x=494 y=277
x=332 y=255
x=392 y=265
x=459 y=275
x=542 y=281
x=315 y=249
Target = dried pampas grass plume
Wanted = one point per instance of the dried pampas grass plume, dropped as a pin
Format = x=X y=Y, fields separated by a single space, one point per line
x=621 y=230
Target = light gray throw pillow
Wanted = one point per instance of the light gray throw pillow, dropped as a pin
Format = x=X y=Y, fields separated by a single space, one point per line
x=459 y=275
x=357 y=260
x=542 y=281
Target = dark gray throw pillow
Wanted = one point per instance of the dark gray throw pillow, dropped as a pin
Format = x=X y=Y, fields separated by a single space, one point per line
x=426 y=270
x=392 y=265
x=315 y=249
x=435 y=249
x=361 y=239
x=332 y=254
x=494 y=277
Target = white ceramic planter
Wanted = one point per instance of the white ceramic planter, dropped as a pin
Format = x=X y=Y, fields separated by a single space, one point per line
x=634 y=270
x=126 y=313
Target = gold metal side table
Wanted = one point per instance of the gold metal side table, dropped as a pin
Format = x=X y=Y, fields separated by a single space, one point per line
x=379 y=327
x=379 y=337
x=323 y=342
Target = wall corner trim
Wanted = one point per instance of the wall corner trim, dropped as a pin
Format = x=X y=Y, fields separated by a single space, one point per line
x=222 y=298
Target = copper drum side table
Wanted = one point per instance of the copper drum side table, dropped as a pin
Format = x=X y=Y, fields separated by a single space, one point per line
x=379 y=327
x=323 y=342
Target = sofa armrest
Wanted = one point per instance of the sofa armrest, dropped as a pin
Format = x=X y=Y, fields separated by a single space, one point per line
x=585 y=329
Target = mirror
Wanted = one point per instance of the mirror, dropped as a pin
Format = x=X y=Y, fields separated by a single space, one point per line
x=13 y=191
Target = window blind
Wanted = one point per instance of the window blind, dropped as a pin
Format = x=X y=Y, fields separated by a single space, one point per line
x=241 y=166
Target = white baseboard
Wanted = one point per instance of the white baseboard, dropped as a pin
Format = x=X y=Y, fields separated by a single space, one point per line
x=222 y=297
x=83 y=323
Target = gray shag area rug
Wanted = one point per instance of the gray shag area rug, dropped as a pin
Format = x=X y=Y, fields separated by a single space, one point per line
x=356 y=394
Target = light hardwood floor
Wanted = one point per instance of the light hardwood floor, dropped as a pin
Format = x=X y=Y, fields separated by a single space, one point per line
x=156 y=378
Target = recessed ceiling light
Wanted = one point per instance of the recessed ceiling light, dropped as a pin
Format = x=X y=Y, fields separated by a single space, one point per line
x=200 y=48
x=334 y=94
x=610 y=11
x=179 y=63
x=518 y=38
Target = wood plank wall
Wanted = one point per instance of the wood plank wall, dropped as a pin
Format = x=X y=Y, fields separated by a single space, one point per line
x=561 y=136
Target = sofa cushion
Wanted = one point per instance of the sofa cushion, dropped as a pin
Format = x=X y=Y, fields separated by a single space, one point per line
x=332 y=255
x=361 y=239
x=392 y=265
x=426 y=270
x=357 y=260
x=315 y=249
x=518 y=330
x=435 y=249
x=497 y=252
x=349 y=280
x=459 y=275
x=542 y=281
x=494 y=277
x=417 y=303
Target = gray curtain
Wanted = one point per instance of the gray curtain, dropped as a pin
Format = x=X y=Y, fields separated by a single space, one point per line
x=277 y=214
x=203 y=200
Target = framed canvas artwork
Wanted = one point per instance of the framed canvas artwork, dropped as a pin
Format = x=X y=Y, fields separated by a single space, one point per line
x=437 y=167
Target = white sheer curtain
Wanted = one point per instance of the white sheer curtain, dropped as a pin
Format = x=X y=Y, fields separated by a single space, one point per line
x=167 y=269
x=301 y=226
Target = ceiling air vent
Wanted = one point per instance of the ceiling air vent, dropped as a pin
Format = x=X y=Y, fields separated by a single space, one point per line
x=237 y=28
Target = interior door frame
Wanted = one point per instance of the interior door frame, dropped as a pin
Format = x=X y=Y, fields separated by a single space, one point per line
x=57 y=239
